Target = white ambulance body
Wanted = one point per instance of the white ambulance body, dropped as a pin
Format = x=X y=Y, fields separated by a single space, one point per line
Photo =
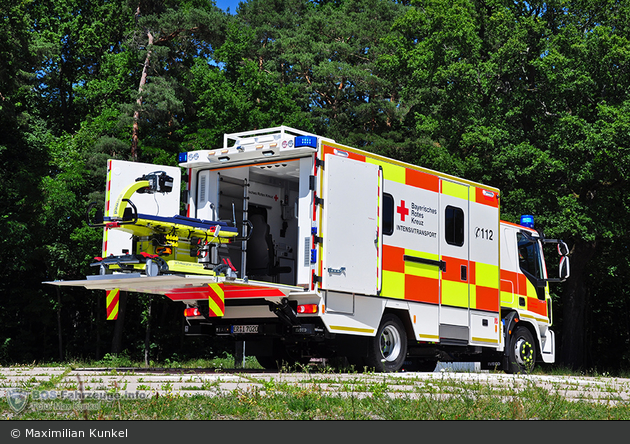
x=344 y=253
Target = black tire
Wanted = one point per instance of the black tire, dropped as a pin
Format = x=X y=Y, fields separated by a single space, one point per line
x=521 y=352
x=388 y=349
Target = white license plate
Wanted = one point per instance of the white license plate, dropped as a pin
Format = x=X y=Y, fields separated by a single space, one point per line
x=245 y=329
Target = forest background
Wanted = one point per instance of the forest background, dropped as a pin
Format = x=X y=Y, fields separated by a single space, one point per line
x=532 y=97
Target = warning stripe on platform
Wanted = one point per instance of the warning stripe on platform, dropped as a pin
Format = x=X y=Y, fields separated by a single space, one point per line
x=216 y=300
x=112 y=298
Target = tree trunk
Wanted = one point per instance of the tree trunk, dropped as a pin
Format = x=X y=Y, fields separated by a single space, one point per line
x=574 y=305
x=136 y=114
x=99 y=317
x=59 y=331
x=119 y=323
x=147 y=334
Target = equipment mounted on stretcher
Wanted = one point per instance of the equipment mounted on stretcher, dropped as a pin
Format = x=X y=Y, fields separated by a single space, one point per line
x=162 y=245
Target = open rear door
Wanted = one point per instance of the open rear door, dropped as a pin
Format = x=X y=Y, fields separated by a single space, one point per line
x=350 y=231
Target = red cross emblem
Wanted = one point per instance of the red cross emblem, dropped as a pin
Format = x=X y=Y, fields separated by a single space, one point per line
x=402 y=210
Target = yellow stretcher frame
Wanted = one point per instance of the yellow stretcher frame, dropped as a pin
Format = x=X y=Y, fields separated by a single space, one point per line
x=175 y=230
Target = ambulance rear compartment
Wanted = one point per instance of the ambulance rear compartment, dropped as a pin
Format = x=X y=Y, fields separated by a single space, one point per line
x=269 y=203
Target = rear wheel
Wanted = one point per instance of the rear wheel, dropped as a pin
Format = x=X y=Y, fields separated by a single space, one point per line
x=388 y=349
x=522 y=352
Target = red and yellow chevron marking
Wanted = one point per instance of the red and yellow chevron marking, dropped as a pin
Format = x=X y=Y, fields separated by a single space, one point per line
x=216 y=300
x=112 y=303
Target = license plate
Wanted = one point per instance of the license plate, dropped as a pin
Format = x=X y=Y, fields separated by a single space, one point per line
x=245 y=329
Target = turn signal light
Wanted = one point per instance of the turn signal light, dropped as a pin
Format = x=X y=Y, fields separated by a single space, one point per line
x=191 y=312
x=307 y=309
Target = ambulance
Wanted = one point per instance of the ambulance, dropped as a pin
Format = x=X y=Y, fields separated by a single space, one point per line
x=305 y=248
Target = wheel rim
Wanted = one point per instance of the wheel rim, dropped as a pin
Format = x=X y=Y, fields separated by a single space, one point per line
x=390 y=343
x=524 y=352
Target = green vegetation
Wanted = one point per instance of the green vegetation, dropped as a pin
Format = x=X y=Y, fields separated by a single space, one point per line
x=324 y=395
x=532 y=97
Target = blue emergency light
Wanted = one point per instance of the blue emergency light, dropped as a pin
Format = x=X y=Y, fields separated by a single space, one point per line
x=306 y=141
x=527 y=220
x=182 y=157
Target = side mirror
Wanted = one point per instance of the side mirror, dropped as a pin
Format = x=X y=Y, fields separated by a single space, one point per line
x=563 y=249
x=565 y=271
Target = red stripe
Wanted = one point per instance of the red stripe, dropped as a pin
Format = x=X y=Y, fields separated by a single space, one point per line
x=453 y=269
x=393 y=259
x=537 y=306
x=421 y=179
x=354 y=156
x=240 y=291
x=181 y=294
x=518 y=280
x=487 y=298
x=422 y=289
x=487 y=197
x=230 y=292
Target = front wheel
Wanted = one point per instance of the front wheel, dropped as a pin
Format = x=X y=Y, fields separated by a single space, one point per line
x=388 y=348
x=521 y=352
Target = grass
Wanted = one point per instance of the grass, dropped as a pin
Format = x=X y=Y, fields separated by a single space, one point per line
x=310 y=402
x=320 y=395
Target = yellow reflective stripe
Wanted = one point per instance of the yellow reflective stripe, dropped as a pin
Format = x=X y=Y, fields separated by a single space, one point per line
x=192 y=267
x=536 y=318
x=393 y=284
x=454 y=293
x=454 y=189
x=486 y=275
x=493 y=341
x=392 y=172
x=356 y=329
x=418 y=269
x=429 y=337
